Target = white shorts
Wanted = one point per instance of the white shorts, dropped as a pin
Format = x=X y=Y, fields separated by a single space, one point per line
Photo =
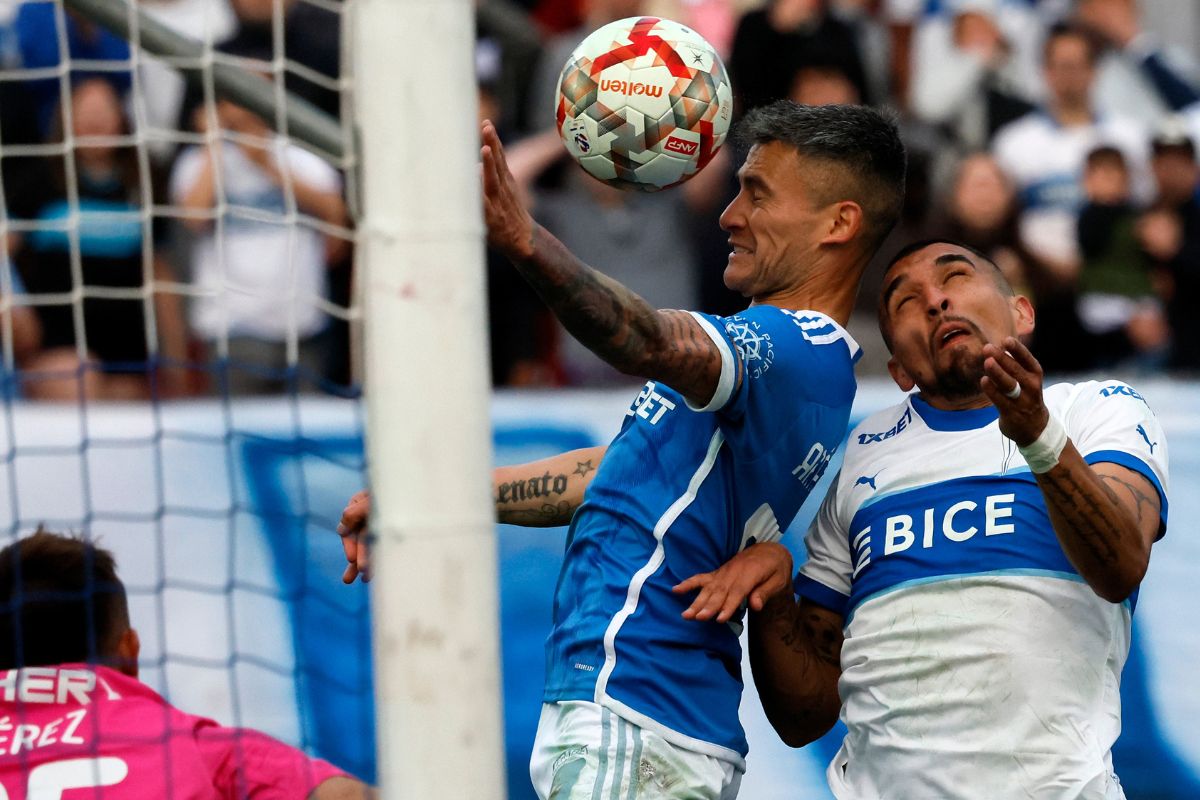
x=584 y=751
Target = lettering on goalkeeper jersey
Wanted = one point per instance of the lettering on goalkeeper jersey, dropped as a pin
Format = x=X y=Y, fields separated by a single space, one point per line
x=18 y=737
x=47 y=685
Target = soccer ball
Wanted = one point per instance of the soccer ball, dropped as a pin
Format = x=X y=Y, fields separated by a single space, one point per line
x=644 y=103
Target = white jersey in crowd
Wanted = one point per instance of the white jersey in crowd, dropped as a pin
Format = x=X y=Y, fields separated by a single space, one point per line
x=1045 y=162
x=977 y=662
x=260 y=256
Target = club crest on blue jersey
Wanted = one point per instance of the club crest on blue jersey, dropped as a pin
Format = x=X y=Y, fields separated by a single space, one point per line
x=901 y=424
x=752 y=343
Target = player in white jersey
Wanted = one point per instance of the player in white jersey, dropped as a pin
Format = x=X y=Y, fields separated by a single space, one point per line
x=971 y=577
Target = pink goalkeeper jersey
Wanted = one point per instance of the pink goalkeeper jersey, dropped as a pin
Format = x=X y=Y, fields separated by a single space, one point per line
x=77 y=732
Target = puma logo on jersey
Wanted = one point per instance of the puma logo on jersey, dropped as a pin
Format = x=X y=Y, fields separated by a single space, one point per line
x=1146 y=436
x=865 y=480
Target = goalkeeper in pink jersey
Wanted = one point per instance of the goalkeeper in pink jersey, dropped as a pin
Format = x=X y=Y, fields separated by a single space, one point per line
x=75 y=721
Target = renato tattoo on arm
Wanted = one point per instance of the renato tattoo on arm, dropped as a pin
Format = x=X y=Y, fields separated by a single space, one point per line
x=618 y=325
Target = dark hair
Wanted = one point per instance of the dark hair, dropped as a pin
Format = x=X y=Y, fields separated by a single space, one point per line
x=1066 y=30
x=1106 y=155
x=861 y=142
x=885 y=328
x=60 y=601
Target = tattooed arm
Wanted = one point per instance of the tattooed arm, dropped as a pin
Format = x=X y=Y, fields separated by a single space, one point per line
x=613 y=322
x=543 y=494
x=795 y=655
x=540 y=494
x=1106 y=518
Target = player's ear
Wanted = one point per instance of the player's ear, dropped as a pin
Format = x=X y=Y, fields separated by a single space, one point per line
x=1023 y=316
x=845 y=223
x=128 y=649
x=900 y=375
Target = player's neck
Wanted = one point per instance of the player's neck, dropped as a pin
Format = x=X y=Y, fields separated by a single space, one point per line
x=955 y=403
x=831 y=292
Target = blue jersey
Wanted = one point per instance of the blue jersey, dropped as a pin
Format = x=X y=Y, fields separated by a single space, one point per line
x=680 y=491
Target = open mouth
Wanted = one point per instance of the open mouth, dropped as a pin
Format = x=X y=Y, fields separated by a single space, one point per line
x=950 y=332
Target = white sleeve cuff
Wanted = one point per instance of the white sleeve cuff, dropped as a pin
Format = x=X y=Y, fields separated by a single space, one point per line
x=724 y=388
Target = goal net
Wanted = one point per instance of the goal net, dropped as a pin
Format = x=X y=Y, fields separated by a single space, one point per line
x=183 y=237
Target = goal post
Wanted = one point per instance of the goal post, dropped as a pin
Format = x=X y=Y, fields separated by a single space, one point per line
x=435 y=586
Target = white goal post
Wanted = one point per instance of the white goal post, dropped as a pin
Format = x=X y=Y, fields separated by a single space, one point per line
x=429 y=437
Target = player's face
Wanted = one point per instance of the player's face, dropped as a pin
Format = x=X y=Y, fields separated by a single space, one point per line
x=943 y=304
x=773 y=223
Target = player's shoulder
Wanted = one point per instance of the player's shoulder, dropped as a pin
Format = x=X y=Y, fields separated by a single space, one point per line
x=812 y=327
x=1063 y=397
x=892 y=423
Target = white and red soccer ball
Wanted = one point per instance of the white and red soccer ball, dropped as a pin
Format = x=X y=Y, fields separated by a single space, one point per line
x=644 y=103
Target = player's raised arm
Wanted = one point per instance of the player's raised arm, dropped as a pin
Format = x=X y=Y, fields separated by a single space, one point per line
x=1106 y=515
x=538 y=494
x=613 y=322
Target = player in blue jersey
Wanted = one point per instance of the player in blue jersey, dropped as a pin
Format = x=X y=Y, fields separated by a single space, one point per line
x=968 y=592
x=735 y=425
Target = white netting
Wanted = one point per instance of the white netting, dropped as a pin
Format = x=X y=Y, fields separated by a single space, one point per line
x=161 y=266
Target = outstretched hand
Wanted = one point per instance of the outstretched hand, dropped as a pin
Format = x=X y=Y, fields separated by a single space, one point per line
x=1013 y=382
x=757 y=573
x=353 y=530
x=510 y=226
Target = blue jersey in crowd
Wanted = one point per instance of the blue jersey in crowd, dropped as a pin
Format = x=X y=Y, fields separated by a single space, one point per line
x=680 y=491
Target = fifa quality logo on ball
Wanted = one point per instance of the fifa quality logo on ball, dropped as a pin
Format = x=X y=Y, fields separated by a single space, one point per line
x=643 y=103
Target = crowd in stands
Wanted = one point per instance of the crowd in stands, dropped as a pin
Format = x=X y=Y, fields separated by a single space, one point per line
x=1057 y=136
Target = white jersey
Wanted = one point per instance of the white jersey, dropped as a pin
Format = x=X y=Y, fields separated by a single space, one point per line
x=1045 y=161
x=977 y=662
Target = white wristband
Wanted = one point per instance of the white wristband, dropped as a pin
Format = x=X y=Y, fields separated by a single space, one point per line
x=1042 y=454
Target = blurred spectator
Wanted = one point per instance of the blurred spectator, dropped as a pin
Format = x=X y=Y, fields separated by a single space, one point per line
x=1117 y=304
x=965 y=74
x=773 y=43
x=1044 y=151
x=26 y=330
x=522 y=339
x=162 y=85
x=982 y=212
x=37 y=32
x=311 y=38
x=506 y=34
x=110 y=237
x=261 y=277
x=1135 y=77
x=1170 y=234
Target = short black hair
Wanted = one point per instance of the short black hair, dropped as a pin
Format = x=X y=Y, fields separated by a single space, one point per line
x=862 y=141
x=1106 y=155
x=885 y=327
x=1068 y=30
x=60 y=602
